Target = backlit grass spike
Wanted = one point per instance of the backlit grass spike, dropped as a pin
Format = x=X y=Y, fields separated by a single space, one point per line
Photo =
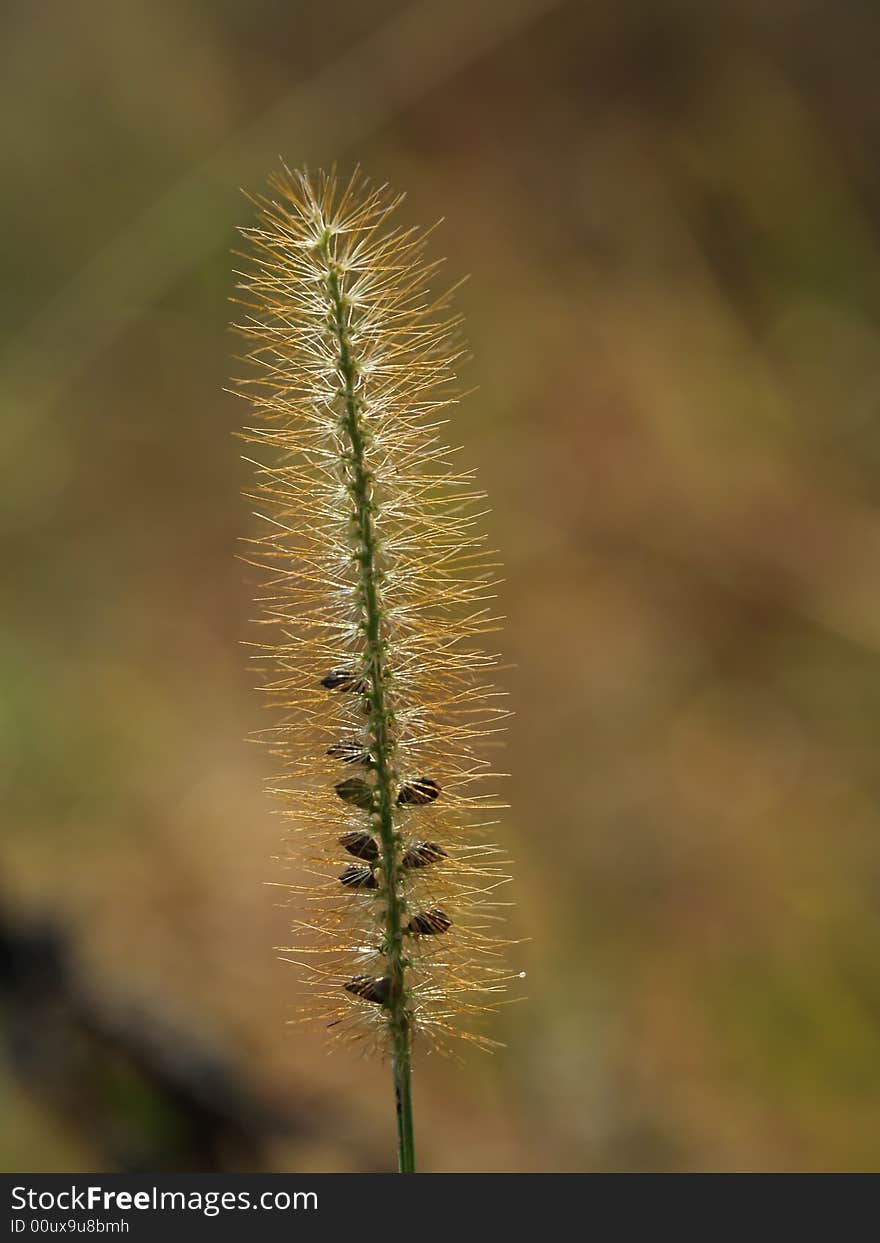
x=377 y=590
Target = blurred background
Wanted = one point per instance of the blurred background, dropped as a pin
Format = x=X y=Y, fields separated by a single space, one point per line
x=670 y=212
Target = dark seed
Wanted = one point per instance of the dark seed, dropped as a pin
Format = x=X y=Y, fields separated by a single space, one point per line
x=361 y=845
x=430 y=923
x=420 y=854
x=422 y=790
x=343 y=680
x=370 y=989
x=350 y=751
x=358 y=878
x=355 y=791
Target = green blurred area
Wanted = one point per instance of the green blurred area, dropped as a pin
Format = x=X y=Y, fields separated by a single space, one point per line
x=670 y=213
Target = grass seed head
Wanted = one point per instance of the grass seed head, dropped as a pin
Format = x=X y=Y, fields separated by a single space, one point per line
x=377 y=593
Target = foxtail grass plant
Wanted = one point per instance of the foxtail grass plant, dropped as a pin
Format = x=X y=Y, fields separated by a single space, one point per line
x=378 y=588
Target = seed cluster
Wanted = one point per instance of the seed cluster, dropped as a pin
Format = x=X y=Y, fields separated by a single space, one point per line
x=363 y=846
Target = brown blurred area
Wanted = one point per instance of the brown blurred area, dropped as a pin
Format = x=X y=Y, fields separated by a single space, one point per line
x=671 y=216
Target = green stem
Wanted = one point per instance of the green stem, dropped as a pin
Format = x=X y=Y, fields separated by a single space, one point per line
x=360 y=483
